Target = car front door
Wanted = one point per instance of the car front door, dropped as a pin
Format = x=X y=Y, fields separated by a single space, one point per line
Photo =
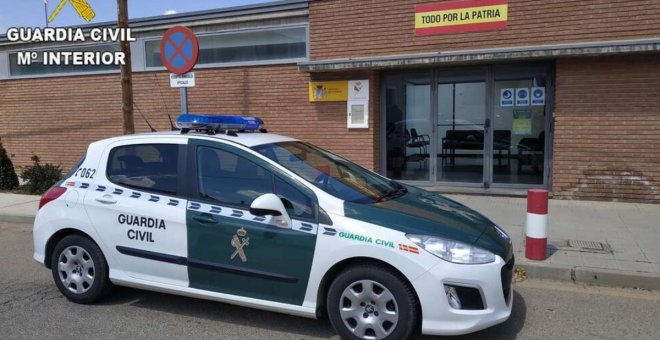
x=136 y=204
x=234 y=252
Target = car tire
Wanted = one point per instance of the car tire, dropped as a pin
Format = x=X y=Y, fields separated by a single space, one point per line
x=364 y=297
x=80 y=270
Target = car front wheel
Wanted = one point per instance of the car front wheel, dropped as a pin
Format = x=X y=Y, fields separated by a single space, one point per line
x=371 y=302
x=80 y=270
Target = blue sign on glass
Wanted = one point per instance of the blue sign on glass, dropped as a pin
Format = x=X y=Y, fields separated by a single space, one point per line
x=506 y=97
x=522 y=96
x=538 y=96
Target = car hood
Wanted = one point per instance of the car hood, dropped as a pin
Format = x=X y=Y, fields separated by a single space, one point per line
x=425 y=213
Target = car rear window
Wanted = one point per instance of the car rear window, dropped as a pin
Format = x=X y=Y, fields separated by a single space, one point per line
x=75 y=167
x=150 y=167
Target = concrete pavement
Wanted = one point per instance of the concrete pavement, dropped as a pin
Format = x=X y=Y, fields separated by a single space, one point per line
x=629 y=232
x=31 y=307
x=18 y=208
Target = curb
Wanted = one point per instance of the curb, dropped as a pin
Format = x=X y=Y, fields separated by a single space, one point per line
x=591 y=276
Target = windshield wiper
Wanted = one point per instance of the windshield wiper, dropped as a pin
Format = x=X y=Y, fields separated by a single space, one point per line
x=394 y=193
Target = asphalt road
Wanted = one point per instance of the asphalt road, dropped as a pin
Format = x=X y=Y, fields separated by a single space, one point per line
x=31 y=307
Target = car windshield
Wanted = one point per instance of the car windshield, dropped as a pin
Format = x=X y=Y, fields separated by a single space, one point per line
x=331 y=173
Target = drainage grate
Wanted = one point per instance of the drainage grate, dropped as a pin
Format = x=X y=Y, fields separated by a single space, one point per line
x=580 y=246
x=586 y=245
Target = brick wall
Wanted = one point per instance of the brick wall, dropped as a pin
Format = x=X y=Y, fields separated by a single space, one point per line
x=56 y=118
x=607 y=129
x=353 y=28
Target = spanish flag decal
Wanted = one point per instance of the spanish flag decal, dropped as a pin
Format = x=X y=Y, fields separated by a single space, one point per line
x=409 y=249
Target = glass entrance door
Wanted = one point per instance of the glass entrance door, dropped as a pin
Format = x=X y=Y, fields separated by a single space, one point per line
x=407 y=128
x=460 y=134
x=520 y=116
x=477 y=127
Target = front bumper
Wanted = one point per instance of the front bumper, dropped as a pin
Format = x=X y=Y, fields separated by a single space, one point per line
x=492 y=280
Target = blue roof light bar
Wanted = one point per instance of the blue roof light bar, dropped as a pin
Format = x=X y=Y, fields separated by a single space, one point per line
x=218 y=122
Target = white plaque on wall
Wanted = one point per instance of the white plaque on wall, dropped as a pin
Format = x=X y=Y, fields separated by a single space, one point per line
x=358 y=90
x=358 y=114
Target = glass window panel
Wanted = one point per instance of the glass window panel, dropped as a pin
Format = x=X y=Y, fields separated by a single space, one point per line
x=461 y=115
x=243 y=47
x=408 y=126
x=329 y=172
x=150 y=167
x=523 y=162
x=38 y=68
x=297 y=204
x=228 y=178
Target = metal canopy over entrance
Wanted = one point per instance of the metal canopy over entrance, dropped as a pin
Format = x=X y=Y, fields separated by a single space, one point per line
x=519 y=53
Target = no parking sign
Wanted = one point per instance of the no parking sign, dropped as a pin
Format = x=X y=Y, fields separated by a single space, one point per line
x=179 y=50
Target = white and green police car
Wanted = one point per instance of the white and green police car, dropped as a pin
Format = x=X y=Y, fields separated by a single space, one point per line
x=222 y=210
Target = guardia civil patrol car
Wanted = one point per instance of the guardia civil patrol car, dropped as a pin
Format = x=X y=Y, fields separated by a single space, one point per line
x=223 y=210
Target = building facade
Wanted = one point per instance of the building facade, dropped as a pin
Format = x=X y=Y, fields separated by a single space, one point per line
x=561 y=94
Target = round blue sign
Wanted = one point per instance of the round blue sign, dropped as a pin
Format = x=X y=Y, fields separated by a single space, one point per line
x=179 y=50
x=522 y=94
x=538 y=93
x=507 y=94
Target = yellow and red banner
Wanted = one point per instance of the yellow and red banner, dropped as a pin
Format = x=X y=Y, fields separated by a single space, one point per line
x=461 y=16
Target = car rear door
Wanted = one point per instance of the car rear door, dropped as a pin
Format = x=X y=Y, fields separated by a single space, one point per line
x=234 y=252
x=137 y=205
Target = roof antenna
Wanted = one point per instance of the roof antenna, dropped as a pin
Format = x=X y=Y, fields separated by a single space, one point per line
x=145 y=118
x=146 y=121
x=174 y=128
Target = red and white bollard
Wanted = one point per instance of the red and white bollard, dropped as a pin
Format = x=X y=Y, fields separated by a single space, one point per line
x=536 y=231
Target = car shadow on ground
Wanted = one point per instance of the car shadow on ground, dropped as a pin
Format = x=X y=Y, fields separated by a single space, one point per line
x=507 y=330
x=220 y=312
x=226 y=313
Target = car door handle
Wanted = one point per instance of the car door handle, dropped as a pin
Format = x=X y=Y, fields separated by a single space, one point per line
x=106 y=199
x=205 y=219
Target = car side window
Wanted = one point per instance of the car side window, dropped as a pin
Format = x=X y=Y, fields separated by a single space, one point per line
x=228 y=178
x=231 y=179
x=150 y=167
x=298 y=205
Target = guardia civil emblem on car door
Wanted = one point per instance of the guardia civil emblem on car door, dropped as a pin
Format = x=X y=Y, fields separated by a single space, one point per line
x=240 y=241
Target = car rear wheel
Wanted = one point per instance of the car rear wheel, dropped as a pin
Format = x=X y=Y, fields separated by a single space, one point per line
x=371 y=302
x=80 y=270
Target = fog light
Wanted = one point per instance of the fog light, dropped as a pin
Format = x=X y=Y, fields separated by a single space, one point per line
x=452 y=297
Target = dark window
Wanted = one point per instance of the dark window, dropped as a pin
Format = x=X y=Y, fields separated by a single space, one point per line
x=266 y=45
x=297 y=204
x=37 y=67
x=151 y=167
x=231 y=179
x=331 y=173
x=228 y=178
x=75 y=167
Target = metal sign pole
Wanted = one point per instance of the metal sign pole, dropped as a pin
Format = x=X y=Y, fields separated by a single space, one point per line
x=179 y=51
x=184 y=100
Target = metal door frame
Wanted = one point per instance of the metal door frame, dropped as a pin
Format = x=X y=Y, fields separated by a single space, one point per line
x=436 y=78
x=488 y=152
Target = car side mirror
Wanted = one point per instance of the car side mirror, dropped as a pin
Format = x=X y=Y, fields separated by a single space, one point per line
x=271 y=205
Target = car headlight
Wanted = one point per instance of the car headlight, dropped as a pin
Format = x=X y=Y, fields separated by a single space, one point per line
x=452 y=251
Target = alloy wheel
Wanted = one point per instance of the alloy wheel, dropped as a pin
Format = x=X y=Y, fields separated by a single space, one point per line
x=369 y=310
x=76 y=269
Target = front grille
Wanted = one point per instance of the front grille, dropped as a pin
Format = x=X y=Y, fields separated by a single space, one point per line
x=507 y=277
x=470 y=298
